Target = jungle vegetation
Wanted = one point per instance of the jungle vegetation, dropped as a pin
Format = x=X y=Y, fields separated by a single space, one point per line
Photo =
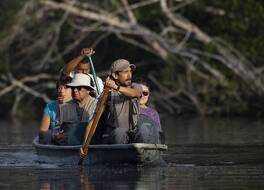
x=200 y=56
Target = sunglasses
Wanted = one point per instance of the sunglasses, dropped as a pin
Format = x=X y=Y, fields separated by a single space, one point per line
x=77 y=87
x=145 y=93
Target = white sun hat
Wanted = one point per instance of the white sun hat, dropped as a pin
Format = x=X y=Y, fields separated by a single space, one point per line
x=81 y=79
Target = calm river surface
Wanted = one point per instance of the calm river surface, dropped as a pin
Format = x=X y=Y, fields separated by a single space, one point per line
x=210 y=153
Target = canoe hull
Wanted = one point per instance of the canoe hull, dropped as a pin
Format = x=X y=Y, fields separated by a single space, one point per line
x=135 y=153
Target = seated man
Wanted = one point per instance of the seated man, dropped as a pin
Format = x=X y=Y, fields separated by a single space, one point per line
x=80 y=65
x=122 y=108
x=76 y=115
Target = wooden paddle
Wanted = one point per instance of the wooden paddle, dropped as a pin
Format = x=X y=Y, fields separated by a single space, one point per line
x=95 y=122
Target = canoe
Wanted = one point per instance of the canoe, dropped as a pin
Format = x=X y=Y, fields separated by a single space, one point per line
x=135 y=153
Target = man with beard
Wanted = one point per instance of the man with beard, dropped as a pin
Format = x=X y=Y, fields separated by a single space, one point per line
x=121 y=113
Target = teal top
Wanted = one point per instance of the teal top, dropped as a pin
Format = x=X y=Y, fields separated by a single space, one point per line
x=51 y=109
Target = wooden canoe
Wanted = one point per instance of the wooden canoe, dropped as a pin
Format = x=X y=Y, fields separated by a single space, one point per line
x=135 y=153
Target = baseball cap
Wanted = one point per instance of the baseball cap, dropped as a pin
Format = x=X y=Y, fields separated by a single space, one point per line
x=120 y=65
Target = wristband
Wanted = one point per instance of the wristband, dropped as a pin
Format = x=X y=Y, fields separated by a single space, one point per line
x=118 y=87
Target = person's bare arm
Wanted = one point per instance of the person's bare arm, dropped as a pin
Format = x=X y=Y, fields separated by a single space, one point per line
x=127 y=91
x=74 y=62
x=45 y=123
x=72 y=65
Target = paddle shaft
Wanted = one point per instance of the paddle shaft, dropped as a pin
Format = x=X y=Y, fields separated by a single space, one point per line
x=94 y=73
x=95 y=122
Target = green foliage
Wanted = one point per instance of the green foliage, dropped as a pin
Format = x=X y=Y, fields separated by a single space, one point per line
x=238 y=22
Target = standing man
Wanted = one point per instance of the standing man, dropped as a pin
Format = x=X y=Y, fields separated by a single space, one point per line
x=122 y=108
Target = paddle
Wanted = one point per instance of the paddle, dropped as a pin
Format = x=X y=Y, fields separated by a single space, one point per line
x=93 y=73
x=95 y=122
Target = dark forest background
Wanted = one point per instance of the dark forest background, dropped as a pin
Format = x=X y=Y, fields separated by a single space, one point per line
x=200 y=56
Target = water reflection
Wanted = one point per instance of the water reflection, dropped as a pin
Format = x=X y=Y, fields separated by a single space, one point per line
x=211 y=153
x=214 y=141
x=169 y=177
x=62 y=179
x=214 y=131
x=17 y=132
x=102 y=177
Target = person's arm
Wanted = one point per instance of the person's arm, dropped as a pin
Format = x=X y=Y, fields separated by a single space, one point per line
x=127 y=91
x=74 y=62
x=72 y=65
x=44 y=128
x=45 y=123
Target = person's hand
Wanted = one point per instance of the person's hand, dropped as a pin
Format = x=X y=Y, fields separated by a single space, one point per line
x=110 y=83
x=83 y=153
x=60 y=139
x=86 y=51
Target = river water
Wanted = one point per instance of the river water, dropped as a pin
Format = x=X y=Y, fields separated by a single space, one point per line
x=204 y=153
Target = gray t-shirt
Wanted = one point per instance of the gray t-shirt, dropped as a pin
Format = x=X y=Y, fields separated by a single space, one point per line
x=70 y=112
x=75 y=119
x=118 y=105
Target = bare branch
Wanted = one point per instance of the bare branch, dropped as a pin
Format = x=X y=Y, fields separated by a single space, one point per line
x=15 y=83
x=184 y=24
x=54 y=41
x=114 y=21
x=137 y=5
x=131 y=15
x=135 y=43
x=182 y=5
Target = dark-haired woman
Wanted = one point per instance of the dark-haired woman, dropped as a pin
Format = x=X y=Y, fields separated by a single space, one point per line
x=50 y=116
